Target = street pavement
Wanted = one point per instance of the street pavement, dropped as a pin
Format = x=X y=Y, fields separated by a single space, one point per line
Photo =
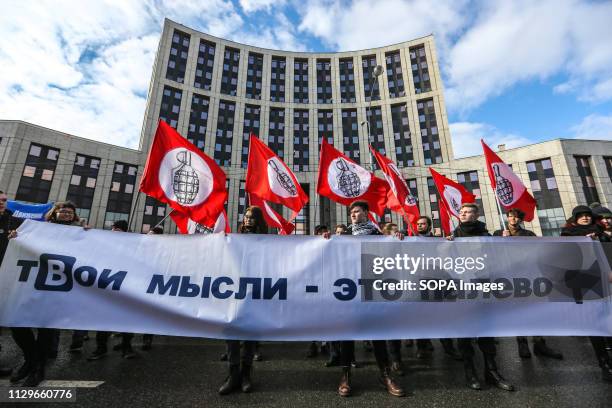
x=186 y=372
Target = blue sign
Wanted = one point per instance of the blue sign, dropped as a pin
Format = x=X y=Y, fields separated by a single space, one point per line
x=30 y=211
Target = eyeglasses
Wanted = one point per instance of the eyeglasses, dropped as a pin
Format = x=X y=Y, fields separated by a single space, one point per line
x=65 y=212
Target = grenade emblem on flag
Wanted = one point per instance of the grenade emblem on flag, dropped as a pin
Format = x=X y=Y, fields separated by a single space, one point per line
x=410 y=200
x=185 y=180
x=503 y=187
x=283 y=178
x=201 y=229
x=456 y=206
x=348 y=181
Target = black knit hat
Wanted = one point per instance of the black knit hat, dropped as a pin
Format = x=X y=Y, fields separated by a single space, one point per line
x=600 y=211
x=581 y=209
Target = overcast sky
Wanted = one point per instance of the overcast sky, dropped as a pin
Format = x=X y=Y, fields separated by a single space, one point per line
x=514 y=72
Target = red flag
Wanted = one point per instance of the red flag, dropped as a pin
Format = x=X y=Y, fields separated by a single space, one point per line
x=452 y=194
x=508 y=188
x=445 y=219
x=271 y=179
x=185 y=225
x=399 y=193
x=179 y=174
x=344 y=181
x=273 y=219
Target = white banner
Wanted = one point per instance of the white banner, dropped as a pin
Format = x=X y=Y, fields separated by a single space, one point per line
x=262 y=287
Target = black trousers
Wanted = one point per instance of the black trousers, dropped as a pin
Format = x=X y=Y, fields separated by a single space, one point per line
x=599 y=346
x=347 y=353
x=486 y=345
x=233 y=352
x=102 y=339
x=395 y=350
x=35 y=347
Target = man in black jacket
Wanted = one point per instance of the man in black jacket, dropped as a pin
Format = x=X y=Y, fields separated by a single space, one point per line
x=515 y=217
x=8 y=223
x=360 y=225
x=469 y=226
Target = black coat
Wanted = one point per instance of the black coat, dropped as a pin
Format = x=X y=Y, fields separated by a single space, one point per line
x=522 y=232
x=471 y=229
x=7 y=224
x=575 y=230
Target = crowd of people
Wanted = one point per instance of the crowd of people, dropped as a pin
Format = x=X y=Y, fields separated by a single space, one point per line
x=40 y=345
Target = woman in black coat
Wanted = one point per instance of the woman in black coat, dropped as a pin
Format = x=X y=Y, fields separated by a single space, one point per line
x=583 y=224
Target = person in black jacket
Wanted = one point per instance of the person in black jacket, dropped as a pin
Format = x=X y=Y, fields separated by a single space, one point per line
x=360 y=225
x=582 y=224
x=38 y=348
x=469 y=226
x=240 y=376
x=8 y=223
x=515 y=217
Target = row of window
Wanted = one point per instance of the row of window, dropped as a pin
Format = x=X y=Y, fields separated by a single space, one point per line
x=178 y=57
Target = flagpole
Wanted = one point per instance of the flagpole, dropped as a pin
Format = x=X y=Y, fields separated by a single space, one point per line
x=133 y=212
x=163 y=219
x=501 y=214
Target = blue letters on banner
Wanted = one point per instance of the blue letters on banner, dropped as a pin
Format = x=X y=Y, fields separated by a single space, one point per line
x=29 y=211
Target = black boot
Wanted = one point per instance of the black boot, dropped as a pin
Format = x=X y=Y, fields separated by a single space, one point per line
x=232 y=382
x=523 y=347
x=344 y=388
x=493 y=377
x=540 y=348
x=36 y=376
x=471 y=379
x=22 y=372
x=247 y=386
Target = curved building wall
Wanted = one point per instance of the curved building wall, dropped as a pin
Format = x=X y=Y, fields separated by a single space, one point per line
x=215 y=92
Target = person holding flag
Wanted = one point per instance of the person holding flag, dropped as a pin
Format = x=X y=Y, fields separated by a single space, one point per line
x=469 y=226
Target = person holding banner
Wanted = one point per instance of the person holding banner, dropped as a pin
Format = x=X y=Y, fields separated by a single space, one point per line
x=240 y=376
x=38 y=349
x=469 y=226
x=8 y=223
x=583 y=224
x=515 y=217
x=102 y=337
x=361 y=225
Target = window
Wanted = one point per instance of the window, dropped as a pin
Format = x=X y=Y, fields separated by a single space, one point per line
x=586 y=177
x=154 y=212
x=420 y=73
x=229 y=76
x=300 y=140
x=198 y=120
x=350 y=134
x=83 y=182
x=324 y=84
x=29 y=171
x=225 y=129
x=370 y=81
x=277 y=82
x=427 y=122
x=170 y=103
x=394 y=75
x=120 y=196
x=254 y=76
x=37 y=176
x=543 y=184
x=177 y=60
x=276 y=131
x=347 y=80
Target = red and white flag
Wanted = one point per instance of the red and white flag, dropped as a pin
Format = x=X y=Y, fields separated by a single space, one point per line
x=185 y=225
x=452 y=194
x=445 y=219
x=269 y=178
x=344 y=181
x=508 y=188
x=272 y=218
x=179 y=174
x=400 y=200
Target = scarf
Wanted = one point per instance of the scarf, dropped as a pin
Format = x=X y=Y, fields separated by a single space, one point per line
x=363 y=228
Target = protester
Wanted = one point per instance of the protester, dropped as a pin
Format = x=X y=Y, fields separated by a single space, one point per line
x=603 y=217
x=240 y=369
x=515 y=218
x=37 y=349
x=582 y=224
x=469 y=226
x=8 y=223
x=102 y=337
x=361 y=226
x=340 y=229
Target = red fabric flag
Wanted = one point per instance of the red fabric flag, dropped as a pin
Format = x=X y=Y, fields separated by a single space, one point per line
x=273 y=219
x=452 y=194
x=271 y=179
x=508 y=188
x=445 y=219
x=179 y=174
x=185 y=225
x=344 y=181
x=400 y=200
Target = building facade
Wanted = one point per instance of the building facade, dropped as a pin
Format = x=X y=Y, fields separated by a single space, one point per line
x=216 y=92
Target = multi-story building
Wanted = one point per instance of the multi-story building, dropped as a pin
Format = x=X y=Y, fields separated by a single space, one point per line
x=216 y=92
